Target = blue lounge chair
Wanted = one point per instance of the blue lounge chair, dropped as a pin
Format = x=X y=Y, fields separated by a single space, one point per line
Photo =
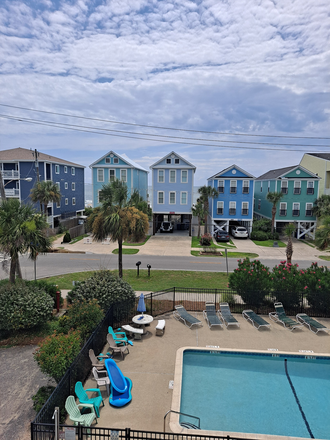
x=311 y=323
x=120 y=338
x=280 y=316
x=211 y=316
x=181 y=314
x=256 y=320
x=226 y=315
x=84 y=399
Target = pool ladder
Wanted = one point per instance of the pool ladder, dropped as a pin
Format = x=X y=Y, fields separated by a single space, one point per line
x=184 y=424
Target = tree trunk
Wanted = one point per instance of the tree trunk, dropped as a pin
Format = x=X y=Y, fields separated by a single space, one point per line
x=199 y=228
x=289 y=251
x=18 y=269
x=120 y=257
x=273 y=217
x=12 y=269
x=206 y=207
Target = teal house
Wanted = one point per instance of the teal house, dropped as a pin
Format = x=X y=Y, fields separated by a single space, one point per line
x=113 y=166
x=299 y=187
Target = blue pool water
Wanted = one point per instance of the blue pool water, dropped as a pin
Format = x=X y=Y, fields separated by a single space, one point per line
x=252 y=393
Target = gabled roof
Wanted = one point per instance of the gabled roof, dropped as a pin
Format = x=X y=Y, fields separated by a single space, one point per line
x=25 y=155
x=123 y=157
x=229 y=168
x=281 y=172
x=178 y=155
x=325 y=156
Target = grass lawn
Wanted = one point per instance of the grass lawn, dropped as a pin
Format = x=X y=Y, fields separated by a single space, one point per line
x=159 y=279
x=195 y=244
x=229 y=255
x=126 y=243
x=269 y=243
x=324 y=257
x=126 y=251
x=80 y=237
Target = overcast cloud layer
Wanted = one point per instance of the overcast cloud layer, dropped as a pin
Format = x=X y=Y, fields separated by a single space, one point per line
x=257 y=67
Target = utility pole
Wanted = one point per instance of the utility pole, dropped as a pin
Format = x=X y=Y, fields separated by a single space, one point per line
x=36 y=165
x=2 y=188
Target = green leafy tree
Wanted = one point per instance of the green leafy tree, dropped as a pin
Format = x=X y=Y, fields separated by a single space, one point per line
x=289 y=230
x=199 y=212
x=206 y=192
x=274 y=198
x=321 y=206
x=318 y=287
x=288 y=283
x=45 y=192
x=322 y=235
x=21 y=230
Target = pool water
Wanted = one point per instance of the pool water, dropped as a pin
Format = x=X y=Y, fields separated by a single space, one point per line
x=256 y=393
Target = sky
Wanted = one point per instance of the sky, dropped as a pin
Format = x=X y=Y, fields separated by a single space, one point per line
x=236 y=82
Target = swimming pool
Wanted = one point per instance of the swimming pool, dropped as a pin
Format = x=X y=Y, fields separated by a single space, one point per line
x=263 y=393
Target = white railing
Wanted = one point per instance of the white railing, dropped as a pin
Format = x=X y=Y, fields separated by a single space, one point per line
x=10 y=174
x=12 y=192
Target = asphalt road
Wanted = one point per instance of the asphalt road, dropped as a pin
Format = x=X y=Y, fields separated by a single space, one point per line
x=57 y=264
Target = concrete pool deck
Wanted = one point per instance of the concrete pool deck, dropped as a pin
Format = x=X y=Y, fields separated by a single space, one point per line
x=150 y=363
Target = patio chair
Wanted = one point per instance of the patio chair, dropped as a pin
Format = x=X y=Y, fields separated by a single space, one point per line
x=226 y=316
x=97 y=361
x=256 y=320
x=120 y=338
x=311 y=323
x=280 y=316
x=75 y=415
x=211 y=316
x=181 y=314
x=114 y=348
x=83 y=397
x=102 y=378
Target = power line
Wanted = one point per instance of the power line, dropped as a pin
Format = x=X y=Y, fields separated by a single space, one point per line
x=164 y=128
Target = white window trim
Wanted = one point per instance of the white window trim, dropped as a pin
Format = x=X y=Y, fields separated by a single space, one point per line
x=183 y=192
x=168 y=161
x=66 y=201
x=65 y=169
x=73 y=201
x=58 y=184
x=66 y=186
x=98 y=171
x=261 y=187
x=158 y=202
x=57 y=169
x=296 y=203
x=115 y=160
x=311 y=206
x=121 y=170
x=312 y=182
x=98 y=195
x=73 y=171
x=107 y=160
x=58 y=205
x=73 y=186
x=169 y=176
x=114 y=172
x=169 y=197
x=297 y=184
x=284 y=183
x=158 y=171
x=285 y=206
x=232 y=205
x=220 y=204
x=186 y=171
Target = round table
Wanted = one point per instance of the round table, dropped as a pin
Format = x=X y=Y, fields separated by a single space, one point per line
x=142 y=320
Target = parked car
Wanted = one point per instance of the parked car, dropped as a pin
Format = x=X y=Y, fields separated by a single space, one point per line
x=221 y=236
x=239 y=232
x=167 y=227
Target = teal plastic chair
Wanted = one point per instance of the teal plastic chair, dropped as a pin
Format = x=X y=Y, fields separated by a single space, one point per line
x=75 y=415
x=84 y=399
x=119 y=337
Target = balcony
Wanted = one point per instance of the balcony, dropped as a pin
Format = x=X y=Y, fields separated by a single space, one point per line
x=10 y=174
x=295 y=213
x=282 y=212
x=220 y=211
x=232 y=211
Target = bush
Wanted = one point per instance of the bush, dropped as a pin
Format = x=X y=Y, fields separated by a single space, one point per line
x=263 y=225
x=83 y=316
x=106 y=288
x=318 y=287
x=288 y=284
x=50 y=288
x=41 y=397
x=67 y=237
x=57 y=352
x=251 y=280
x=23 y=306
x=274 y=236
x=259 y=235
x=205 y=240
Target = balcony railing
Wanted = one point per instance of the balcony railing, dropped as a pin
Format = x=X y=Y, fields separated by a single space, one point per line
x=282 y=212
x=232 y=211
x=10 y=174
x=11 y=192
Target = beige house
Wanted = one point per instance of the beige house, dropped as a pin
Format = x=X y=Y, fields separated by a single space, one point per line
x=319 y=163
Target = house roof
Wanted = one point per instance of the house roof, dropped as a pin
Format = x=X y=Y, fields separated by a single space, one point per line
x=325 y=156
x=122 y=157
x=229 y=168
x=281 y=172
x=178 y=155
x=25 y=155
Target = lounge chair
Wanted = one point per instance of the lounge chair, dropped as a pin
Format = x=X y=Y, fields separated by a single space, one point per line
x=83 y=397
x=226 y=316
x=120 y=338
x=311 y=323
x=256 y=320
x=75 y=415
x=97 y=361
x=102 y=379
x=211 y=316
x=280 y=316
x=114 y=348
x=181 y=314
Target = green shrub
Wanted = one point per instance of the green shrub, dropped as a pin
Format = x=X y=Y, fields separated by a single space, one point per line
x=274 y=236
x=106 y=288
x=288 y=284
x=317 y=286
x=263 y=225
x=83 y=316
x=67 y=237
x=205 y=240
x=57 y=352
x=50 y=288
x=41 y=397
x=251 y=280
x=23 y=306
x=259 y=235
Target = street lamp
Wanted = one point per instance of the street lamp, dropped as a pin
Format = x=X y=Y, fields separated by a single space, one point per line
x=2 y=186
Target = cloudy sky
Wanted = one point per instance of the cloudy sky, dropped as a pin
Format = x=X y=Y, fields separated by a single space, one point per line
x=234 y=76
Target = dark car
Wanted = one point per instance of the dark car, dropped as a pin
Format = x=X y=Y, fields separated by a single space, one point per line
x=167 y=227
x=222 y=236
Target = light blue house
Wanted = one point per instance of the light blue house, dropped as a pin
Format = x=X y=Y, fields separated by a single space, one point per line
x=172 y=189
x=234 y=205
x=113 y=166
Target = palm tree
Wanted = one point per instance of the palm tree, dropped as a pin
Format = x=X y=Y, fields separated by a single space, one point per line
x=321 y=206
x=22 y=230
x=322 y=236
x=289 y=230
x=117 y=218
x=45 y=192
x=206 y=192
x=274 y=198
x=198 y=211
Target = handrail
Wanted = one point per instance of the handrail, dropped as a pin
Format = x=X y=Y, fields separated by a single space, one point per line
x=183 y=414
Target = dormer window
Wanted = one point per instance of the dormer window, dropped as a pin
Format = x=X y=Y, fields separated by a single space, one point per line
x=176 y=161
x=168 y=160
x=115 y=160
x=107 y=160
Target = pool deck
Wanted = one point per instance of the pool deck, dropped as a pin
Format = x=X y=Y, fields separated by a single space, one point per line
x=150 y=363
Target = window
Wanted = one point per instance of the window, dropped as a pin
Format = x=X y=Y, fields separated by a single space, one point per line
x=123 y=175
x=66 y=185
x=221 y=186
x=184 y=176
x=160 y=197
x=98 y=195
x=57 y=169
x=58 y=184
x=66 y=201
x=246 y=186
x=261 y=187
x=245 y=208
x=309 y=209
x=168 y=160
x=284 y=187
x=172 y=198
x=184 y=198
x=112 y=175
x=161 y=176
x=310 y=187
x=295 y=209
x=115 y=160
x=176 y=161
x=100 y=175
x=73 y=171
x=73 y=186
x=73 y=200
x=268 y=187
x=220 y=208
x=107 y=160
x=65 y=169
x=58 y=205
x=283 y=209
x=172 y=176
x=232 y=208
x=233 y=186
x=297 y=187
x=259 y=204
